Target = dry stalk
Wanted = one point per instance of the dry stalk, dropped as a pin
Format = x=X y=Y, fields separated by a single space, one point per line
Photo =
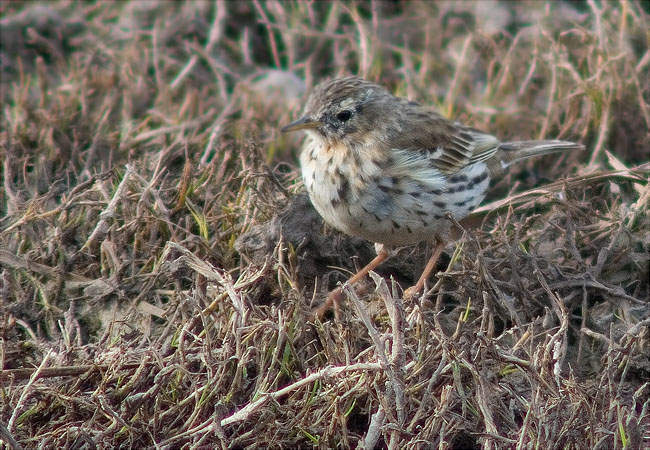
x=102 y=227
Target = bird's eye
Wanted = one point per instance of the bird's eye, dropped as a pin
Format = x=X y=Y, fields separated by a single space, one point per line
x=344 y=115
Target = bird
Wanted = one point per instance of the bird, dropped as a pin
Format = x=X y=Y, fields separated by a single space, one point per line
x=394 y=172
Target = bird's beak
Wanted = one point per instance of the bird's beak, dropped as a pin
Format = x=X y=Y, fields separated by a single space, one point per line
x=301 y=124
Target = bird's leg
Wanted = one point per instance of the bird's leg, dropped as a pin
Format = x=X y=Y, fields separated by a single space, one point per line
x=413 y=291
x=336 y=295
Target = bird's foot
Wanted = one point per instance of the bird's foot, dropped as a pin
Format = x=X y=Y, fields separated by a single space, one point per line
x=413 y=292
x=331 y=303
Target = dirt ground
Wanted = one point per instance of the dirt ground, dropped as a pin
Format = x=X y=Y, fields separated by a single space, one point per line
x=159 y=260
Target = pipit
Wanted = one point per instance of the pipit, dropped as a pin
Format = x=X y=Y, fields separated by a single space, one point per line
x=394 y=172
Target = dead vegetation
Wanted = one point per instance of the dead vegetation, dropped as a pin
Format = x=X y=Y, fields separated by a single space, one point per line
x=158 y=264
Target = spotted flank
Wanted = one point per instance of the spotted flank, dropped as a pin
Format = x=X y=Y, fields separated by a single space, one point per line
x=399 y=200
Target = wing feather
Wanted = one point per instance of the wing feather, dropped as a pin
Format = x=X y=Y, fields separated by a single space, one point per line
x=450 y=146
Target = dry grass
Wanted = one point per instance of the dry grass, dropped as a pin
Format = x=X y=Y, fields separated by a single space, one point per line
x=158 y=265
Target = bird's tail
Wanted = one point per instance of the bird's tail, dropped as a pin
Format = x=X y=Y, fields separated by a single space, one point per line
x=512 y=152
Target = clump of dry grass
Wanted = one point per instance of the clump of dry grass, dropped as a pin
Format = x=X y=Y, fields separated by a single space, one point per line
x=158 y=264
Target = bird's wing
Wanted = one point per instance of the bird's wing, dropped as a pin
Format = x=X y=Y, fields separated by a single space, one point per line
x=449 y=146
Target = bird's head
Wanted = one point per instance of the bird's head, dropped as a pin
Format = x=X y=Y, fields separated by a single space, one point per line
x=343 y=110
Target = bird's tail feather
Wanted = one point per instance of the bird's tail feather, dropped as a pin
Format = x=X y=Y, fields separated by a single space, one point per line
x=512 y=152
